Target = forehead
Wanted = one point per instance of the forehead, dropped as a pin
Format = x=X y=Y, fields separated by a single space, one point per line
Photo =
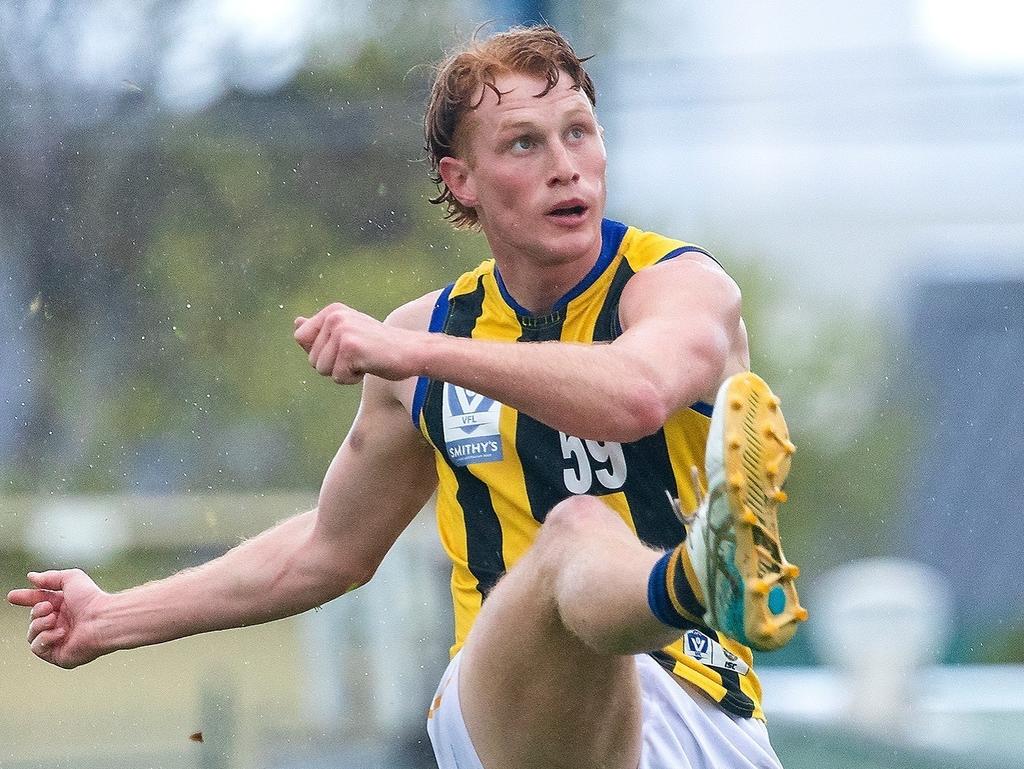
x=519 y=100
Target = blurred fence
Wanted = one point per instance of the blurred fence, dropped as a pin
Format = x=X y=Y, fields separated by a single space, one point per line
x=961 y=716
x=344 y=685
x=347 y=685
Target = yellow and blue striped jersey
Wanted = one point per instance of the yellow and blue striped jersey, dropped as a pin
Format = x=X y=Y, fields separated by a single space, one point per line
x=500 y=471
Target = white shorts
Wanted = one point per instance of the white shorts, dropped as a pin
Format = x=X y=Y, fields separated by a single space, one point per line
x=682 y=727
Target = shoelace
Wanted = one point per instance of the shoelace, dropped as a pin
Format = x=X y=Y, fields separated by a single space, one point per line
x=688 y=518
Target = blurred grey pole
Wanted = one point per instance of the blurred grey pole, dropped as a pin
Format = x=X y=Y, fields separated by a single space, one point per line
x=408 y=625
x=373 y=658
x=328 y=636
x=20 y=316
x=218 y=724
x=964 y=382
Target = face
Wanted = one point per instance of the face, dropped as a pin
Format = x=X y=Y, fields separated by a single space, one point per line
x=534 y=170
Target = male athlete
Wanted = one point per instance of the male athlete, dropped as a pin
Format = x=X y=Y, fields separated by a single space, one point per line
x=558 y=399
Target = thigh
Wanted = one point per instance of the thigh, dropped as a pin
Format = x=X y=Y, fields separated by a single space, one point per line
x=532 y=693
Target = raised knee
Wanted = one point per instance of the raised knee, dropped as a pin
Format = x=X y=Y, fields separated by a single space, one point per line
x=566 y=528
x=575 y=517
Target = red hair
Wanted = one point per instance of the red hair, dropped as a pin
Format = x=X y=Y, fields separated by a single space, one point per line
x=461 y=82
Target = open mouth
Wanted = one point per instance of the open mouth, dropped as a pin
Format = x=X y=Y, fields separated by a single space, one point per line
x=568 y=212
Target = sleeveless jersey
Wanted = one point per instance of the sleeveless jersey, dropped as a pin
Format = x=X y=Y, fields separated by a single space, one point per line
x=501 y=471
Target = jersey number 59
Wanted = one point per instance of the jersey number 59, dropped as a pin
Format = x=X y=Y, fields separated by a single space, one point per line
x=602 y=461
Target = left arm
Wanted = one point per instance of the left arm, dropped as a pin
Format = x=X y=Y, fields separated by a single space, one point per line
x=681 y=331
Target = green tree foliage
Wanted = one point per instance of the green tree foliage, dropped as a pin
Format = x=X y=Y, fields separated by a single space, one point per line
x=246 y=240
x=167 y=359
x=836 y=368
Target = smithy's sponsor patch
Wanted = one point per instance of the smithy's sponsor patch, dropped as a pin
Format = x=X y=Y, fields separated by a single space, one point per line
x=471 y=433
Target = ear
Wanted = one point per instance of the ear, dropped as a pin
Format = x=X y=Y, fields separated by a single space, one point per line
x=458 y=177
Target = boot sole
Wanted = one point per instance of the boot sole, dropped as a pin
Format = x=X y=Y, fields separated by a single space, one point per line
x=757 y=458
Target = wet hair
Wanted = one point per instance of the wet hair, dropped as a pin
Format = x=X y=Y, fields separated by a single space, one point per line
x=462 y=80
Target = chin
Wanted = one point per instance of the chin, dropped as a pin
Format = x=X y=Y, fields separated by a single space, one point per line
x=575 y=243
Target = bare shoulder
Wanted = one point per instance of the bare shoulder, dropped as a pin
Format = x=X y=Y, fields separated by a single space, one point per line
x=697 y=277
x=691 y=302
x=414 y=315
x=686 y=268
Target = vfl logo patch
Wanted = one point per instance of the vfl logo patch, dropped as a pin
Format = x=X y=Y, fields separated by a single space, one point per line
x=711 y=653
x=470 y=420
x=698 y=645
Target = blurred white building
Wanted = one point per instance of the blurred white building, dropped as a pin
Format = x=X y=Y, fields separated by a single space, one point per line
x=858 y=147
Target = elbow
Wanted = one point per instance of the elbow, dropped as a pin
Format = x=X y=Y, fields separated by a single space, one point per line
x=330 y=583
x=653 y=399
x=645 y=412
x=351 y=585
x=338 y=571
x=351 y=575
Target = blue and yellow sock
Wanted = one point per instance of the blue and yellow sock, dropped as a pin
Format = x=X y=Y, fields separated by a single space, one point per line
x=673 y=592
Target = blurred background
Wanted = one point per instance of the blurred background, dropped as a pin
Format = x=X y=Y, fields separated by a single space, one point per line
x=180 y=179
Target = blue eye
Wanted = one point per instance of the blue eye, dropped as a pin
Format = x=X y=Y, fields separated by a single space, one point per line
x=522 y=143
x=576 y=132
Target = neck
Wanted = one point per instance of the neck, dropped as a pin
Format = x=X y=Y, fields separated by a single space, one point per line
x=538 y=287
x=538 y=281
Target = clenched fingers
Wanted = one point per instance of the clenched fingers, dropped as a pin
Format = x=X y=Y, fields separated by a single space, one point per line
x=41 y=625
x=42 y=643
x=41 y=609
x=306 y=329
x=317 y=349
x=323 y=354
x=342 y=373
x=301 y=337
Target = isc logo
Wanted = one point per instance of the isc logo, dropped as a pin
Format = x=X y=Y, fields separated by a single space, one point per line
x=703 y=648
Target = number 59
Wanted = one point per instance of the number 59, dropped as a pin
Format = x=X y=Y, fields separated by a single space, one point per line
x=607 y=455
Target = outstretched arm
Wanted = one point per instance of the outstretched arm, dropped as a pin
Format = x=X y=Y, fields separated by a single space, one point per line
x=682 y=334
x=380 y=478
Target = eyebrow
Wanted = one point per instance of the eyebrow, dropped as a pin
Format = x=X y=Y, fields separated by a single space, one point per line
x=514 y=125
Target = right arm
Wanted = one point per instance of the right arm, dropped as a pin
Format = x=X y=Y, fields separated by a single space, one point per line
x=380 y=478
x=682 y=334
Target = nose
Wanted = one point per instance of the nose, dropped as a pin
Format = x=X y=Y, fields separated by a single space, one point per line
x=563 y=166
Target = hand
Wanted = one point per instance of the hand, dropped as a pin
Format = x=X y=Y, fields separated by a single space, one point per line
x=345 y=344
x=62 y=603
